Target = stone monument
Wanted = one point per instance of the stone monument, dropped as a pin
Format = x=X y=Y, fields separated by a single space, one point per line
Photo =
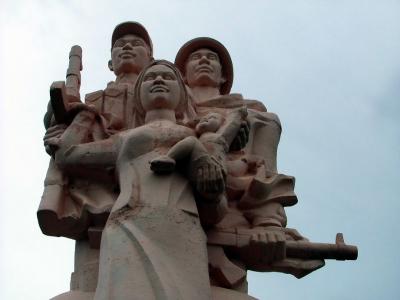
x=168 y=182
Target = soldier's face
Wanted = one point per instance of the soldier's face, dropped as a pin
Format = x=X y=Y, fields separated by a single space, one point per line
x=159 y=89
x=203 y=68
x=130 y=54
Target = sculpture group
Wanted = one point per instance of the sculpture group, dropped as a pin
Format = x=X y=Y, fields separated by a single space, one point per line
x=167 y=181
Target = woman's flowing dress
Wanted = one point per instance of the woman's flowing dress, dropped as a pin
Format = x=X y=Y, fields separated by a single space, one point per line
x=153 y=246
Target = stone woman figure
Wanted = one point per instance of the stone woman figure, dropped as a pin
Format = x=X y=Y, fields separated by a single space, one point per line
x=153 y=246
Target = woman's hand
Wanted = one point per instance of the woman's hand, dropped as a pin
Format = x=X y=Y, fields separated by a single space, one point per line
x=209 y=177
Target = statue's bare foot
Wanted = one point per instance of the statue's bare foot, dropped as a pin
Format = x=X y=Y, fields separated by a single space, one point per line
x=162 y=165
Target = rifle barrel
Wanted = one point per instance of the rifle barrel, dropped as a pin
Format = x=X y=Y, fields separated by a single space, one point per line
x=294 y=249
x=307 y=250
x=73 y=78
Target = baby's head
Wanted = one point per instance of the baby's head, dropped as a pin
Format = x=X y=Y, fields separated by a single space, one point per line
x=209 y=123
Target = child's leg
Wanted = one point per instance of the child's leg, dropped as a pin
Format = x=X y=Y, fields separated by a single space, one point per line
x=181 y=150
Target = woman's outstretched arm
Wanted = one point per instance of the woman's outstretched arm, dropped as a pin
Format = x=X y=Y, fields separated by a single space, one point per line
x=73 y=152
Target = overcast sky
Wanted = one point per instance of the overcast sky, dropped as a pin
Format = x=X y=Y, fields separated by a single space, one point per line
x=329 y=69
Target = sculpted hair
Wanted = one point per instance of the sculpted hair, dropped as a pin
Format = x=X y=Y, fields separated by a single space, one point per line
x=184 y=109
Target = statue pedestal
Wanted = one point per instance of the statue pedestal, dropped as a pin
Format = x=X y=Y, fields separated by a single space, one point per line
x=75 y=295
x=217 y=294
x=84 y=278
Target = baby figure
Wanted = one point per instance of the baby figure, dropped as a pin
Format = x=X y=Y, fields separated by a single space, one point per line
x=215 y=133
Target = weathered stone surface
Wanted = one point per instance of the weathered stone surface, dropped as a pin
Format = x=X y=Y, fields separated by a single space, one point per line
x=167 y=181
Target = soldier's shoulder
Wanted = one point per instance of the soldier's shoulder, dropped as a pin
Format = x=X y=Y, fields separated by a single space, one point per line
x=255 y=104
x=274 y=117
x=93 y=97
x=114 y=89
x=259 y=108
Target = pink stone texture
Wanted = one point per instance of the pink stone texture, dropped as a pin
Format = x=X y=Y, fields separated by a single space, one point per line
x=168 y=182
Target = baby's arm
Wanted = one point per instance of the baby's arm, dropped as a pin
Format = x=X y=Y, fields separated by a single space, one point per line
x=229 y=130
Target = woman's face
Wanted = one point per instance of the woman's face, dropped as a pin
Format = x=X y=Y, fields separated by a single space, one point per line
x=160 y=89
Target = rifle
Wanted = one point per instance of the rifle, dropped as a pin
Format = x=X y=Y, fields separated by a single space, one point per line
x=62 y=93
x=240 y=238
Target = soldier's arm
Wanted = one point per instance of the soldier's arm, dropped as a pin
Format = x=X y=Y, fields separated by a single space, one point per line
x=264 y=137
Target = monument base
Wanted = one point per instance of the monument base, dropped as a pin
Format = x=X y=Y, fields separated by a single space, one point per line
x=218 y=293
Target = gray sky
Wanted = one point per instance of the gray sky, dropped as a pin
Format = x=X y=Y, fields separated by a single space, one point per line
x=329 y=69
